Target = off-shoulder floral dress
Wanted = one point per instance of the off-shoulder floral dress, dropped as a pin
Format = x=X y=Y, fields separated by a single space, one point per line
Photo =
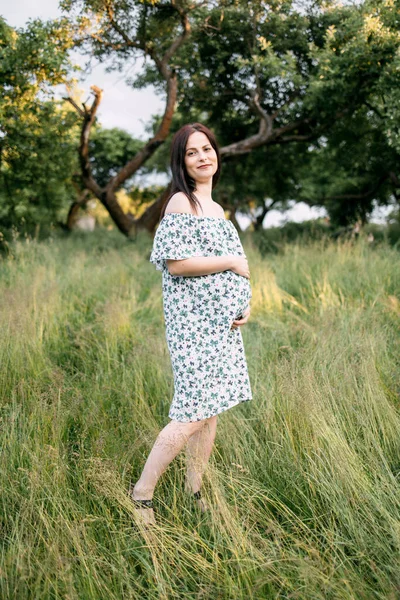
x=207 y=356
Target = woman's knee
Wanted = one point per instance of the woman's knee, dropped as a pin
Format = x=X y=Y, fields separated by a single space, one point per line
x=197 y=425
x=190 y=427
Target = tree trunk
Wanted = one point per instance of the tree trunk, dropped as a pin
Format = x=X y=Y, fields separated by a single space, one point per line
x=107 y=194
x=74 y=209
x=148 y=220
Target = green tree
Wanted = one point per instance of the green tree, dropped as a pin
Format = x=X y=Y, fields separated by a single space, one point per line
x=356 y=166
x=262 y=74
x=352 y=170
x=110 y=150
x=118 y=30
x=37 y=134
x=286 y=89
x=268 y=75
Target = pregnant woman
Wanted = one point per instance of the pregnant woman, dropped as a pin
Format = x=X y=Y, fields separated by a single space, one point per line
x=206 y=295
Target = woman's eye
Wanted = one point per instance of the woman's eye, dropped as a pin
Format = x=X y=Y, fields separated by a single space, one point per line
x=191 y=153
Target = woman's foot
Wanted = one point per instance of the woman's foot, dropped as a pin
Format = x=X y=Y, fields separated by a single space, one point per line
x=143 y=506
x=201 y=503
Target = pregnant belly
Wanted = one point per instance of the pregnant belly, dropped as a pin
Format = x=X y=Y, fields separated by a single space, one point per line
x=224 y=293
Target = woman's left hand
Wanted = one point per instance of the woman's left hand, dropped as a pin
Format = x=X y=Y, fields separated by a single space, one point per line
x=243 y=320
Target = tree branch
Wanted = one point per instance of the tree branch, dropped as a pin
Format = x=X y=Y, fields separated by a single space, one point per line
x=258 y=221
x=128 y=42
x=363 y=195
x=266 y=135
x=394 y=179
x=374 y=109
x=172 y=88
x=88 y=116
x=88 y=121
x=178 y=41
x=78 y=109
x=125 y=222
x=75 y=207
x=266 y=121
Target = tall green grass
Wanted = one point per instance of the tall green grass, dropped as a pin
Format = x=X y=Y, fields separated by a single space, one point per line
x=303 y=481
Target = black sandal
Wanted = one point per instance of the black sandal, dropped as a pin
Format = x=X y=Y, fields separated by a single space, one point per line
x=139 y=503
x=198 y=496
x=142 y=503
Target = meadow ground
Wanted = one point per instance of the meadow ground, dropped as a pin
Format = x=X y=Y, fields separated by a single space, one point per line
x=303 y=481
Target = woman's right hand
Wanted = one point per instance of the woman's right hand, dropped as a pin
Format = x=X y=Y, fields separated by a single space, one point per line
x=241 y=266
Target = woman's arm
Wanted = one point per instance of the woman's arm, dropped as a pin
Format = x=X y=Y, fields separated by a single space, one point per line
x=200 y=265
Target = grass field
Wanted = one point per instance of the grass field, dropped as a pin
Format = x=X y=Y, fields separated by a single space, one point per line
x=303 y=481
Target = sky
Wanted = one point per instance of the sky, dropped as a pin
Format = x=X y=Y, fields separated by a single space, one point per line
x=121 y=106
x=129 y=109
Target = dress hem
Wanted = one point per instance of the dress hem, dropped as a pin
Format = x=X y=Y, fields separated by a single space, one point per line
x=221 y=410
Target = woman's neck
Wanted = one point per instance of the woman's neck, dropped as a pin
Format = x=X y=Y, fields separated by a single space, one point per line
x=203 y=191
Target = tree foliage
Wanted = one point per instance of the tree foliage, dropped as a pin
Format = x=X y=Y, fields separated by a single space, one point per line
x=304 y=100
x=355 y=166
x=123 y=30
x=39 y=137
x=325 y=79
x=109 y=150
x=37 y=134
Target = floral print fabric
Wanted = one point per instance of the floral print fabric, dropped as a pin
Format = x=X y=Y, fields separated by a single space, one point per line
x=207 y=356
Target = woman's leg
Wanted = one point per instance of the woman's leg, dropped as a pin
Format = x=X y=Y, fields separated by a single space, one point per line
x=198 y=451
x=168 y=444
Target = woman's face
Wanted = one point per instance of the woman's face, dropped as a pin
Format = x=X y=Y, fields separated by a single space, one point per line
x=201 y=160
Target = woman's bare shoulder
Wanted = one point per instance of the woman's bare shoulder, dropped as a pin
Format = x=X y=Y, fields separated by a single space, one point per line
x=221 y=210
x=179 y=203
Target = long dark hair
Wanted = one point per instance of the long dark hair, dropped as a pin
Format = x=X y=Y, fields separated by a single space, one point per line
x=181 y=182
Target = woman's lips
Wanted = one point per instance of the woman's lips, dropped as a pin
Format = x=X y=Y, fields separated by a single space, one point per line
x=203 y=166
